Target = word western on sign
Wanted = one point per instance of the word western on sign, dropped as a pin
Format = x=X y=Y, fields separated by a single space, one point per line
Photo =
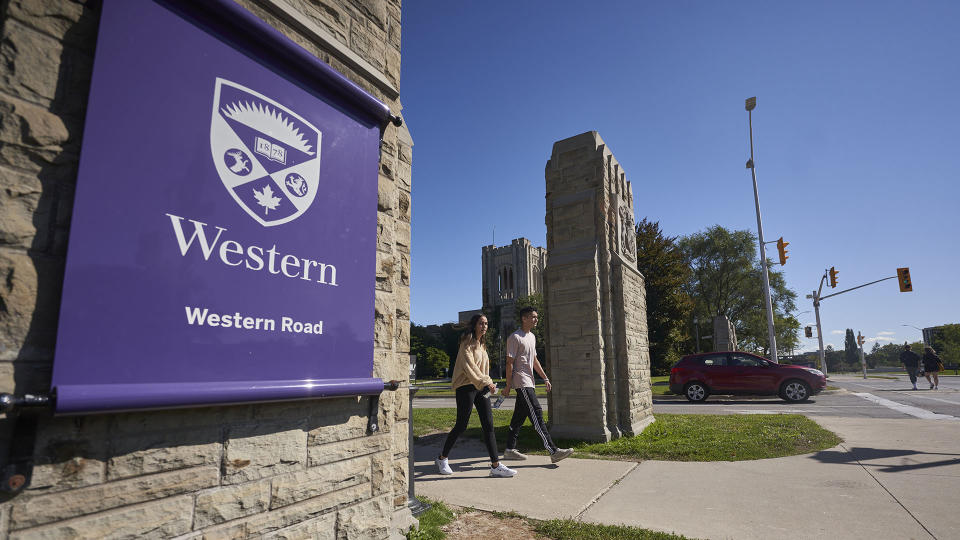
x=232 y=253
x=223 y=241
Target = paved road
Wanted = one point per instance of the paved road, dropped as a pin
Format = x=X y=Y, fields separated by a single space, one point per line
x=870 y=398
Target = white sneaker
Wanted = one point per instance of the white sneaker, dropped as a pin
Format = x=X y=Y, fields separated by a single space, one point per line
x=442 y=466
x=561 y=454
x=510 y=453
x=502 y=471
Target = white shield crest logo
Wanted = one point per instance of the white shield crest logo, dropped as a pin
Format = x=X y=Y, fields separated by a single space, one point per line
x=267 y=156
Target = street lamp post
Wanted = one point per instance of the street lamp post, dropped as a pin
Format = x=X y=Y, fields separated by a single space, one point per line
x=750 y=105
x=923 y=336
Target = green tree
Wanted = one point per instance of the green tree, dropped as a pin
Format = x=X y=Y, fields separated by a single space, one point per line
x=946 y=341
x=889 y=355
x=726 y=280
x=665 y=272
x=851 y=356
x=433 y=363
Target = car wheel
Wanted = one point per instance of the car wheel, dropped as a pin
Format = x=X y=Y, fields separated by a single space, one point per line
x=795 y=391
x=696 y=391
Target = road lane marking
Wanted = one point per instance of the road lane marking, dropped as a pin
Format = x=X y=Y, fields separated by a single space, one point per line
x=905 y=409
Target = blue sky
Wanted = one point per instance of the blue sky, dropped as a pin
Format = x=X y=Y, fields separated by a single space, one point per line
x=856 y=130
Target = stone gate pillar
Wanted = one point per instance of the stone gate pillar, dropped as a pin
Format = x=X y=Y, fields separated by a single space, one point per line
x=724 y=334
x=598 y=353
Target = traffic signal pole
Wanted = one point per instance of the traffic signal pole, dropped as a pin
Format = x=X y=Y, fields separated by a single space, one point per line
x=816 y=308
x=863 y=361
x=751 y=103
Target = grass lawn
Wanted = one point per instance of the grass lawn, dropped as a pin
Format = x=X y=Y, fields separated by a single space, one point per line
x=660 y=385
x=568 y=529
x=442 y=389
x=673 y=437
x=439 y=515
x=430 y=521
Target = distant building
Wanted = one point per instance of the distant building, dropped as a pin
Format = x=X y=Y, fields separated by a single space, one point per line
x=509 y=273
x=465 y=316
x=933 y=336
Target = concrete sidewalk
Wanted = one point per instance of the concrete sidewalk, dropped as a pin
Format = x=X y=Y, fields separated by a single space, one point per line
x=891 y=478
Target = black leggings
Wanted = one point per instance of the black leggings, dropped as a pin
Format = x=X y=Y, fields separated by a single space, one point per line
x=467 y=398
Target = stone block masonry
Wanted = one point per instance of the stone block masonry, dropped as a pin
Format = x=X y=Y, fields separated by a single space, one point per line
x=598 y=355
x=284 y=470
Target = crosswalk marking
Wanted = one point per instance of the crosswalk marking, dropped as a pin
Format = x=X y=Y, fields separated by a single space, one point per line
x=905 y=409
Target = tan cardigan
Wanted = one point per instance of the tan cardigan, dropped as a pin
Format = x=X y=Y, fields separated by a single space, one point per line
x=472 y=367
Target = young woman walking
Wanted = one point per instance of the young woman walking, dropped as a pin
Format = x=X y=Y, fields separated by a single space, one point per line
x=931 y=367
x=473 y=384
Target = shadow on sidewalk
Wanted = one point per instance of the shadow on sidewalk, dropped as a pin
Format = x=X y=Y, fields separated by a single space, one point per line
x=468 y=456
x=859 y=455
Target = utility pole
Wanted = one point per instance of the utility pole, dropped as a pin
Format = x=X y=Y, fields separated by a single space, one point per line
x=750 y=105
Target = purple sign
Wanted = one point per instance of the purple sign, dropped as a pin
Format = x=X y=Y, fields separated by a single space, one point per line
x=223 y=240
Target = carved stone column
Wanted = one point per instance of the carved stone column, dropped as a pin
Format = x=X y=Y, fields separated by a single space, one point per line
x=598 y=354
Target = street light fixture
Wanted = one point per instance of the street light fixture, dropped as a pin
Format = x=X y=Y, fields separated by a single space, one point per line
x=923 y=336
x=750 y=105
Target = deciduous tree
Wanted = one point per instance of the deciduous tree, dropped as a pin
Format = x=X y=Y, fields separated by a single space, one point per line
x=726 y=280
x=665 y=273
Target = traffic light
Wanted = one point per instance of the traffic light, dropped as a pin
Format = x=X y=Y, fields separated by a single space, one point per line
x=807 y=331
x=782 y=248
x=903 y=278
x=860 y=339
x=833 y=277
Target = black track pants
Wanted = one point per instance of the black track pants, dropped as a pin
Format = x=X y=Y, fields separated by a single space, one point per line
x=528 y=406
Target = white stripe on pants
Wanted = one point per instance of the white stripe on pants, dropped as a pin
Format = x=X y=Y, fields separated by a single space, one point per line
x=526 y=397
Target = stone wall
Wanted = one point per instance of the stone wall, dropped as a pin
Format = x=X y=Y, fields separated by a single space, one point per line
x=287 y=470
x=598 y=355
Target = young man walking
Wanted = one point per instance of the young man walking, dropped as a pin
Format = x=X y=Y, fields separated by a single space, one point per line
x=522 y=362
x=910 y=361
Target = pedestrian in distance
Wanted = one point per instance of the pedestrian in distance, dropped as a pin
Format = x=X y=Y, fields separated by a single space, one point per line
x=522 y=362
x=932 y=365
x=472 y=383
x=910 y=361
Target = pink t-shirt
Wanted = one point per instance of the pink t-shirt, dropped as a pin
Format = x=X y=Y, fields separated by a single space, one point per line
x=522 y=347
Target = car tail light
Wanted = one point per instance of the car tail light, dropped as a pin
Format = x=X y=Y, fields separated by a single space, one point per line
x=674 y=370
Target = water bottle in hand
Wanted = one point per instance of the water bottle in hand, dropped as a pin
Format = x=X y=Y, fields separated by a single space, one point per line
x=498 y=402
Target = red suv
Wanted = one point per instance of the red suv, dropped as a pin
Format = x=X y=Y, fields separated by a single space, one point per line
x=699 y=375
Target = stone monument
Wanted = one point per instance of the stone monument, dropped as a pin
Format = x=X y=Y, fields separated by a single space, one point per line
x=724 y=334
x=598 y=355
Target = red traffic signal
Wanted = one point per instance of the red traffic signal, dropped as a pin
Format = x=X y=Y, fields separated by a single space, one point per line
x=782 y=249
x=903 y=278
x=833 y=277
